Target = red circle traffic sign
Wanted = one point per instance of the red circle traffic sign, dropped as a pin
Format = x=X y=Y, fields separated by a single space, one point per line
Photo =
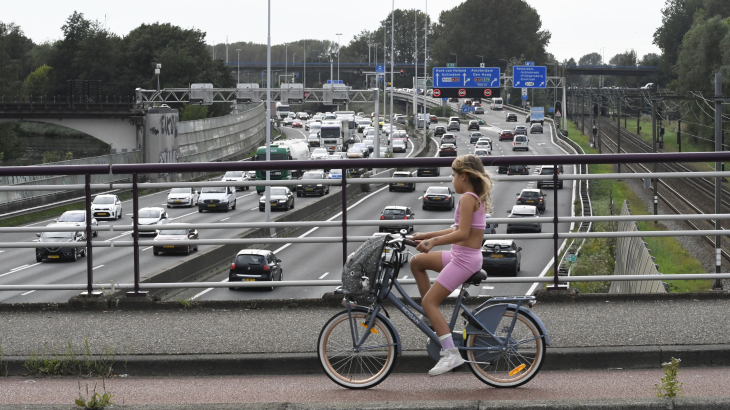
x=306 y=95
x=462 y=93
x=487 y=92
x=436 y=92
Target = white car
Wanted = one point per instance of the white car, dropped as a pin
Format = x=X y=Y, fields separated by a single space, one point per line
x=236 y=176
x=182 y=197
x=251 y=175
x=483 y=144
x=77 y=218
x=319 y=153
x=480 y=152
x=106 y=206
x=151 y=216
x=387 y=129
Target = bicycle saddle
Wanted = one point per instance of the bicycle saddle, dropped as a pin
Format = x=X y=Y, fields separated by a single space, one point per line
x=477 y=278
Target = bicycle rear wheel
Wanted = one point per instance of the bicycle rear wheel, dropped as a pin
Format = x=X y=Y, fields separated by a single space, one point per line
x=519 y=363
x=356 y=369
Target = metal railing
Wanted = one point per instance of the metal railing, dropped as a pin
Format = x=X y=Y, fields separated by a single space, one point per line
x=140 y=169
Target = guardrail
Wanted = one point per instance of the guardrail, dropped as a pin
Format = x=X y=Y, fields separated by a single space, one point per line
x=136 y=169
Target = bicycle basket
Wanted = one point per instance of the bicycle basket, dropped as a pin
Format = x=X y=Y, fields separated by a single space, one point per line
x=361 y=267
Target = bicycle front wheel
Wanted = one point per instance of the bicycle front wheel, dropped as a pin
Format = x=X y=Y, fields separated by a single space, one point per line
x=516 y=365
x=361 y=369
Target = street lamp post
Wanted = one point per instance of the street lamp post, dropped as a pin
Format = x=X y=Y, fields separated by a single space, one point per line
x=456 y=62
x=238 y=69
x=482 y=57
x=286 y=59
x=338 y=55
x=294 y=62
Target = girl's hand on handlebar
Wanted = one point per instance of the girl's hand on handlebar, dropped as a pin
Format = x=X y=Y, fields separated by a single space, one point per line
x=418 y=236
x=425 y=246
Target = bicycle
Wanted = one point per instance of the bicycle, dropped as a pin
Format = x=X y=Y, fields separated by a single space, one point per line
x=503 y=343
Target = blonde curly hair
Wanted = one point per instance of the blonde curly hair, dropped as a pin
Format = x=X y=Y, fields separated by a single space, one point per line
x=471 y=166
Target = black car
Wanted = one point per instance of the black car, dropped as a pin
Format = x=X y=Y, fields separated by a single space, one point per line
x=518 y=170
x=475 y=137
x=58 y=244
x=428 y=172
x=281 y=198
x=448 y=139
x=511 y=117
x=393 y=212
x=536 y=128
x=532 y=197
x=438 y=197
x=454 y=99
x=313 y=189
x=408 y=186
x=501 y=256
x=253 y=265
x=440 y=130
x=473 y=125
x=447 y=150
x=550 y=170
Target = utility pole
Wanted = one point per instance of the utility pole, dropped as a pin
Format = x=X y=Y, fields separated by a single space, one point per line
x=598 y=122
x=305 y=64
x=583 y=114
x=653 y=150
x=618 y=133
x=238 y=59
x=392 y=56
x=267 y=188
x=638 y=116
x=415 y=71
x=592 y=124
x=718 y=180
x=679 y=134
x=425 y=69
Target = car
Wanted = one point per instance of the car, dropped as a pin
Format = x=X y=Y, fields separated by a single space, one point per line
x=518 y=170
x=106 y=206
x=454 y=99
x=475 y=136
x=439 y=130
x=287 y=121
x=254 y=265
x=481 y=152
x=236 y=176
x=370 y=142
x=501 y=256
x=456 y=119
x=318 y=154
x=473 y=125
x=55 y=242
x=484 y=144
x=490 y=228
x=438 y=197
x=400 y=119
x=217 y=197
x=447 y=150
x=369 y=133
x=355 y=152
x=479 y=110
x=389 y=129
x=648 y=86
x=448 y=139
x=520 y=142
x=313 y=139
x=511 y=117
x=402 y=136
x=335 y=174
x=185 y=196
x=280 y=198
x=523 y=211
x=534 y=197
x=506 y=135
x=182 y=235
x=467 y=102
x=399 y=146
x=313 y=189
x=151 y=216
x=520 y=129
x=476 y=104
x=434 y=119
x=481 y=121
x=394 y=212
x=453 y=126
x=408 y=186
x=549 y=170
x=297 y=124
x=384 y=152
x=535 y=128
x=77 y=218
x=363 y=123
x=251 y=175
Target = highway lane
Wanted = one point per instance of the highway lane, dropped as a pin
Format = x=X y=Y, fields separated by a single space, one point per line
x=324 y=261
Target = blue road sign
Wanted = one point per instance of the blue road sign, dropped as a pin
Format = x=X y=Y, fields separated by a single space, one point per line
x=551 y=109
x=334 y=81
x=524 y=94
x=466 y=77
x=529 y=76
x=465 y=108
x=532 y=63
x=380 y=69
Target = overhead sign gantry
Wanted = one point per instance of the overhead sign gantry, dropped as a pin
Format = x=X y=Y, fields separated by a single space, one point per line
x=466 y=82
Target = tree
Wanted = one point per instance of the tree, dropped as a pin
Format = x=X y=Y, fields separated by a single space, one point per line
x=13 y=48
x=38 y=82
x=702 y=54
x=591 y=59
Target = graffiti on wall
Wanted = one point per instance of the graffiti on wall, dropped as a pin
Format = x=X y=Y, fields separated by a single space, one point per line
x=169 y=156
x=168 y=125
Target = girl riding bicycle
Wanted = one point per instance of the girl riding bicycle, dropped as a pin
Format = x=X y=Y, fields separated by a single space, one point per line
x=465 y=257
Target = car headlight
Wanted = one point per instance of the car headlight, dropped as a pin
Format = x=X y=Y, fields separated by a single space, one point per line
x=282 y=200
x=319 y=184
x=186 y=198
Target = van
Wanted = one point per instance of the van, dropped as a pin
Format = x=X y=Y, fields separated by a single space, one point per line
x=497 y=104
x=520 y=142
x=213 y=198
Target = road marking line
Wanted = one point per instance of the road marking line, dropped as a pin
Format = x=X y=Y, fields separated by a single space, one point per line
x=420 y=197
x=27 y=293
x=253 y=209
x=19 y=269
x=224 y=219
x=239 y=197
x=325 y=274
x=97 y=267
x=172 y=219
x=405 y=277
x=146 y=248
x=487 y=287
x=117 y=237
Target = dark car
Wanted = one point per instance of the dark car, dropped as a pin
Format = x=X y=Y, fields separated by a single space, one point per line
x=447 y=150
x=408 y=186
x=506 y=135
x=532 y=197
x=313 y=189
x=438 y=197
x=454 y=99
x=253 y=265
x=549 y=170
x=440 y=130
x=183 y=236
x=520 y=129
x=281 y=198
x=428 y=172
x=536 y=128
x=448 y=139
x=523 y=211
x=59 y=244
x=501 y=256
x=518 y=170
x=475 y=137
x=473 y=125
x=393 y=212
x=511 y=117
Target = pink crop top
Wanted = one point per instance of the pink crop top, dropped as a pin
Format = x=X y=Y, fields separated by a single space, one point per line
x=479 y=220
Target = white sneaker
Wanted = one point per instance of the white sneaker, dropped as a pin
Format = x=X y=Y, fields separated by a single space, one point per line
x=450 y=359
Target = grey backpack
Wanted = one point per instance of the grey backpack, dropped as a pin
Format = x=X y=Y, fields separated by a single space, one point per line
x=361 y=267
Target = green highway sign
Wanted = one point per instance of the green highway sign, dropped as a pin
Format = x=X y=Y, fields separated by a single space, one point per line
x=450 y=64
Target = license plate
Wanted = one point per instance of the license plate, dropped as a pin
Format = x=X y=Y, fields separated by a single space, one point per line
x=426 y=172
x=400 y=184
x=52 y=256
x=530 y=202
x=248 y=280
x=169 y=246
x=437 y=199
x=211 y=206
x=102 y=213
x=178 y=202
x=310 y=189
x=273 y=205
x=496 y=256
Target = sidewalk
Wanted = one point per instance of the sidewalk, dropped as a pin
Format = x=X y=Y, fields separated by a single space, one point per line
x=279 y=337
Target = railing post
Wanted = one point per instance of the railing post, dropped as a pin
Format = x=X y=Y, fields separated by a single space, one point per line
x=89 y=259
x=344 y=216
x=135 y=237
x=556 y=262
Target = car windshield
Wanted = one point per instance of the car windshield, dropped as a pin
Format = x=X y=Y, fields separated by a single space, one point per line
x=401 y=174
x=180 y=191
x=174 y=232
x=72 y=217
x=314 y=135
x=278 y=191
x=250 y=260
x=335 y=172
x=529 y=194
x=482 y=142
x=234 y=174
x=438 y=191
x=64 y=235
x=547 y=171
x=149 y=213
x=399 y=143
x=312 y=175
x=394 y=212
x=355 y=150
x=214 y=190
x=477 y=135
x=104 y=200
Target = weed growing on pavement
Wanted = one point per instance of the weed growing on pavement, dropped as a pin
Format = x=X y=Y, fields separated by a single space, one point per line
x=3 y=365
x=187 y=303
x=669 y=386
x=95 y=400
x=72 y=363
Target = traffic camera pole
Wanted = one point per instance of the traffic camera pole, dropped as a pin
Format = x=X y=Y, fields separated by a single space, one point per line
x=653 y=150
x=618 y=132
x=718 y=180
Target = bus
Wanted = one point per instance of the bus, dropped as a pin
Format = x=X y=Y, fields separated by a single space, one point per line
x=277 y=154
x=282 y=110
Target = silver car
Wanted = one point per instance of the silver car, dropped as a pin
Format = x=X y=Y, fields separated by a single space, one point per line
x=182 y=197
x=236 y=176
x=453 y=126
x=151 y=216
x=77 y=218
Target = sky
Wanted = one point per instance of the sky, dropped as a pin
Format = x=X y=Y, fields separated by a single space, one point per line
x=578 y=27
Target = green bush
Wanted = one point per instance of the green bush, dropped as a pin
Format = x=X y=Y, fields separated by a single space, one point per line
x=57 y=156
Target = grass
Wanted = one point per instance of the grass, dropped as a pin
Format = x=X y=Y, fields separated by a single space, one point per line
x=71 y=362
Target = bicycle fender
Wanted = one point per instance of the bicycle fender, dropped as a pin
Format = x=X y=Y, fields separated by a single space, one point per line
x=491 y=315
x=387 y=323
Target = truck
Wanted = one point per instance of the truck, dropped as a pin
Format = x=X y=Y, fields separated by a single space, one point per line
x=277 y=153
x=349 y=127
x=282 y=110
x=299 y=150
x=537 y=114
x=331 y=136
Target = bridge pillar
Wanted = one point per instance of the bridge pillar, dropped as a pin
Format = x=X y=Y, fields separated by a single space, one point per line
x=160 y=135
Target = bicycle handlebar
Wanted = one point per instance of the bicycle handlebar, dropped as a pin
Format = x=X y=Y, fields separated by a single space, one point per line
x=410 y=242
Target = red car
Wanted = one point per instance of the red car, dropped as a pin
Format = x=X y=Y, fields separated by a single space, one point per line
x=507 y=135
x=297 y=124
x=434 y=119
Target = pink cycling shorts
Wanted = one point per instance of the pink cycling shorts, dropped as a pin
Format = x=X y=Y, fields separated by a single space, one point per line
x=459 y=264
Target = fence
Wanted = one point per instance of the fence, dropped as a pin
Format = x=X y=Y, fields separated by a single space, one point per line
x=136 y=169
